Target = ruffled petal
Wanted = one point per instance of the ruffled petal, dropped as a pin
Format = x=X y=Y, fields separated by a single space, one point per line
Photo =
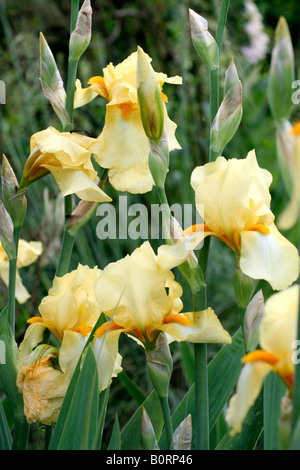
x=33 y=336
x=279 y=324
x=83 y=96
x=269 y=256
x=107 y=357
x=71 y=348
x=28 y=252
x=75 y=181
x=132 y=290
x=196 y=327
x=249 y=386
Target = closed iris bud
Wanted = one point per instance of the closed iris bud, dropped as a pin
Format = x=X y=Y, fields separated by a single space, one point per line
x=160 y=364
x=7 y=232
x=14 y=201
x=81 y=36
x=282 y=73
x=51 y=82
x=244 y=287
x=227 y=119
x=149 y=96
x=203 y=41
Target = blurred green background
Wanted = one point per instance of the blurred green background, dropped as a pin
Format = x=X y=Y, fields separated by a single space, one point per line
x=161 y=28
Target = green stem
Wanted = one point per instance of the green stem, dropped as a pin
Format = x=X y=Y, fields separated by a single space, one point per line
x=221 y=23
x=167 y=419
x=201 y=376
x=20 y=437
x=200 y=301
x=68 y=240
x=72 y=74
x=214 y=103
x=166 y=212
x=12 y=283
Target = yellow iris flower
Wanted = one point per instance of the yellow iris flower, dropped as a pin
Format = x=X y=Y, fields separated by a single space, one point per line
x=70 y=311
x=28 y=252
x=122 y=146
x=278 y=331
x=141 y=298
x=232 y=197
x=68 y=157
x=290 y=215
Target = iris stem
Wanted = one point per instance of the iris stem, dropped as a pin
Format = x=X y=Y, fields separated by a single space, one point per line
x=12 y=283
x=68 y=240
x=167 y=419
x=200 y=301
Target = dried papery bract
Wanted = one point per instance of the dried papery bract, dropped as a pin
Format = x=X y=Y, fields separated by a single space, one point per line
x=182 y=437
x=227 y=119
x=51 y=82
x=252 y=319
x=160 y=364
x=148 y=438
x=6 y=232
x=14 y=201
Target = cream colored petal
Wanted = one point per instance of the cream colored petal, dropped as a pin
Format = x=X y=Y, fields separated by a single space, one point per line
x=72 y=181
x=21 y=293
x=205 y=328
x=43 y=389
x=28 y=252
x=123 y=142
x=67 y=149
x=170 y=129
x=71 y=348
x=170 y=256
x=279 y=324
x=249 y=386
x=289 y=217
x=107 y=357
x=33 y=336
x=72 y=300
x=231 y=191
x=135 y=287
x=83 y=96
x=136 y=180
x=269 y=256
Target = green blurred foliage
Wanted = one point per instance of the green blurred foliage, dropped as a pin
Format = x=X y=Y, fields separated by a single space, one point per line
x=161 y=28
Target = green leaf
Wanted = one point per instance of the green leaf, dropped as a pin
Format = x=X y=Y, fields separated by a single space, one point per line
x=77 y=423
x=223 y=371
x=5 y=435
x=115 y=438
x=251 y=430
x=187 y=358
x=274 y=390
x=131 y=433
x=132 y=388
x=9 y=370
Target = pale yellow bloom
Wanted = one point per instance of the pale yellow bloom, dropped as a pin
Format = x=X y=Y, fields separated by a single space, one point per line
x=290 y=215
x=68 y=157
x=28 y=252
x=232 y=197
x=43 y=388
x=123 y=146
x=142 y=298
x=278 y=331
x=70 y=311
